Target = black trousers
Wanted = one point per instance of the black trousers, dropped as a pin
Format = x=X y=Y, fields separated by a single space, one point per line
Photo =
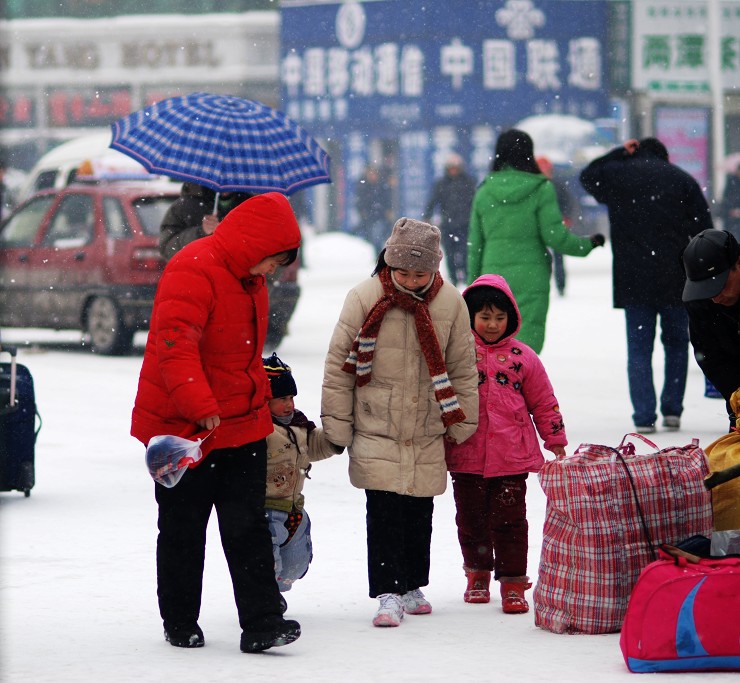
x=399 y=537
x=233 y=481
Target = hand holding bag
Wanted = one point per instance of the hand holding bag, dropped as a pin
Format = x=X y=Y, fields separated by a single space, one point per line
x=607 y=509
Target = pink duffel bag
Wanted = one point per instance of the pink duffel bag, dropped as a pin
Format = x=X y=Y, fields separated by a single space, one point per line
x=683 y=615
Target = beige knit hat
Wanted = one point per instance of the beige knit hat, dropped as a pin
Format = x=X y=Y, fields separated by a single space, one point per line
x=413 y=245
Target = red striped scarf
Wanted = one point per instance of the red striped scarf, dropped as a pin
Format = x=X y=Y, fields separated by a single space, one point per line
x=360 y=359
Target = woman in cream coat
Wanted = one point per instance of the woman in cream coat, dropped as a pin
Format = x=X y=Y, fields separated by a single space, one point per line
x=379 y=401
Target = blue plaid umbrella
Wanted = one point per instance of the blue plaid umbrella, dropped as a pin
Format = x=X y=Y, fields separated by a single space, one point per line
x=226 y=143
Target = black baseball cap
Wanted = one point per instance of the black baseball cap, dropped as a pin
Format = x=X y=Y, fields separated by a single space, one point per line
x=707 y=261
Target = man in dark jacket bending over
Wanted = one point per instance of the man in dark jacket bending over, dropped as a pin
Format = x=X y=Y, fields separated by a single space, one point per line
x=712 y=298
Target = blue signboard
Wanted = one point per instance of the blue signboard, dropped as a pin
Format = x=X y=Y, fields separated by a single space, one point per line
x=402 y=65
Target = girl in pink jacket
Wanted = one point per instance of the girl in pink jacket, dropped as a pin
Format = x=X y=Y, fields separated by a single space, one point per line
x=490 y=469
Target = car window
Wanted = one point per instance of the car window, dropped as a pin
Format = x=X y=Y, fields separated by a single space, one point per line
x=45 y=180
x=21 y=228
x=72 y=223
x=116 y=225
x=151 y=211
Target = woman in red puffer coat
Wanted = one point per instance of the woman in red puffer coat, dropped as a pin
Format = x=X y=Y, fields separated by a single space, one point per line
x=202 y=376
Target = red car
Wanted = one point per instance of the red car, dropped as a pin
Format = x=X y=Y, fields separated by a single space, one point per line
x=85 y=257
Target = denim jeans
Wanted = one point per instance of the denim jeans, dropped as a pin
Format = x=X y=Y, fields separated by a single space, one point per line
x=674 y=335
x=293 y=558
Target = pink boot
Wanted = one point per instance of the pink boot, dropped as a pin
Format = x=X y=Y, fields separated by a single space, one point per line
x=512 y=594
x=479 y=581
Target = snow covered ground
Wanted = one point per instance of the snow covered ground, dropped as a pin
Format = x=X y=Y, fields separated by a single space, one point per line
x=77 y=556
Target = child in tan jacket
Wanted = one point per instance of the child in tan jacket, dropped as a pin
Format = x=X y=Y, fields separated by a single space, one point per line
x=291 y=448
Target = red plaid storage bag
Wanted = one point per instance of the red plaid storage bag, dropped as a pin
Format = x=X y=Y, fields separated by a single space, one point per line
x=683 y=616
x=607 y=509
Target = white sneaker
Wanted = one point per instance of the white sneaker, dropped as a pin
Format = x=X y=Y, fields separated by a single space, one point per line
x=390 y=612
x=414 y=602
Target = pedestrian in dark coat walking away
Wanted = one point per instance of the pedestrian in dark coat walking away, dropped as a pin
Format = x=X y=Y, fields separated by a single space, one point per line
x=203 y=377
x=453 y=193
x=374 y=203
x=567 y=204
x=712 y=298
x=655 y=208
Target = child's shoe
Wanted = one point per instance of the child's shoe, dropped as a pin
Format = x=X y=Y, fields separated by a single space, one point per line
x=512 y=594
x=414 y=602
x=390 y=611
x=479 y=582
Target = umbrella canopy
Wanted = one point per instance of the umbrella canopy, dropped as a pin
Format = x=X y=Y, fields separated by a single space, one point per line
x=559 y=136
x=226 y=143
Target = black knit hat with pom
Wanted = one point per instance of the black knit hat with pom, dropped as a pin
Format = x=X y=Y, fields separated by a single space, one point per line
x=281 y=379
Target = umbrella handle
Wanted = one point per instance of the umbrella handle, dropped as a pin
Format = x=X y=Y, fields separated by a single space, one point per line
x=215 y=203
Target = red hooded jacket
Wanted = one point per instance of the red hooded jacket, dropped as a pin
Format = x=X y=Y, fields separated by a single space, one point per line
x=203 y=356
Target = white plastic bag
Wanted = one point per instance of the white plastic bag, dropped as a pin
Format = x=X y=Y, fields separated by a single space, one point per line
x=168 y=457
x=725 y=542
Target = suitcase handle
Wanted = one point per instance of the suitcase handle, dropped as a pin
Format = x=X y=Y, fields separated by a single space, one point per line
x=13 y=351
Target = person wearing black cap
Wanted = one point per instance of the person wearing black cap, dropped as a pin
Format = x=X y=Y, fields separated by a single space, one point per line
x=295 y=443
x=712 y=298
x=655 y=208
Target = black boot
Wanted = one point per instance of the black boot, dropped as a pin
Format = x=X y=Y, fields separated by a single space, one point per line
x=184 y=636
x=269 y=632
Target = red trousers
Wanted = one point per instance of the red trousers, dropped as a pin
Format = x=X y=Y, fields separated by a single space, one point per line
x=492 y=522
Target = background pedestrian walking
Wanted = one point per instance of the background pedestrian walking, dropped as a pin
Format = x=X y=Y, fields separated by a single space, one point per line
x=655 y=208
x=453 y=196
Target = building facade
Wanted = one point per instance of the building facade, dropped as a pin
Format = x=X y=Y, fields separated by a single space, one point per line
x=394 y=83
x=65 y=77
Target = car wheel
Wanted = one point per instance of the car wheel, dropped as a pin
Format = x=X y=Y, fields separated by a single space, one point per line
x=105 y=329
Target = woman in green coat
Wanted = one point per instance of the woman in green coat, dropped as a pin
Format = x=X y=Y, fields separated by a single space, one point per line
x=514 y=218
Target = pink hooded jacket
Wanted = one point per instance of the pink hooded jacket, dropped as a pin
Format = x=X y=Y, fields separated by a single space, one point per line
x=514 y=391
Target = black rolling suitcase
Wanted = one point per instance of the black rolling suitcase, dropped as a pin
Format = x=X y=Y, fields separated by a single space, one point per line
x=18 y=428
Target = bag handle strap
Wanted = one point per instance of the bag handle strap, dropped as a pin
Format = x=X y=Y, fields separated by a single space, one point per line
x=624 y=445
x=677 y=553
x=645 y=529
